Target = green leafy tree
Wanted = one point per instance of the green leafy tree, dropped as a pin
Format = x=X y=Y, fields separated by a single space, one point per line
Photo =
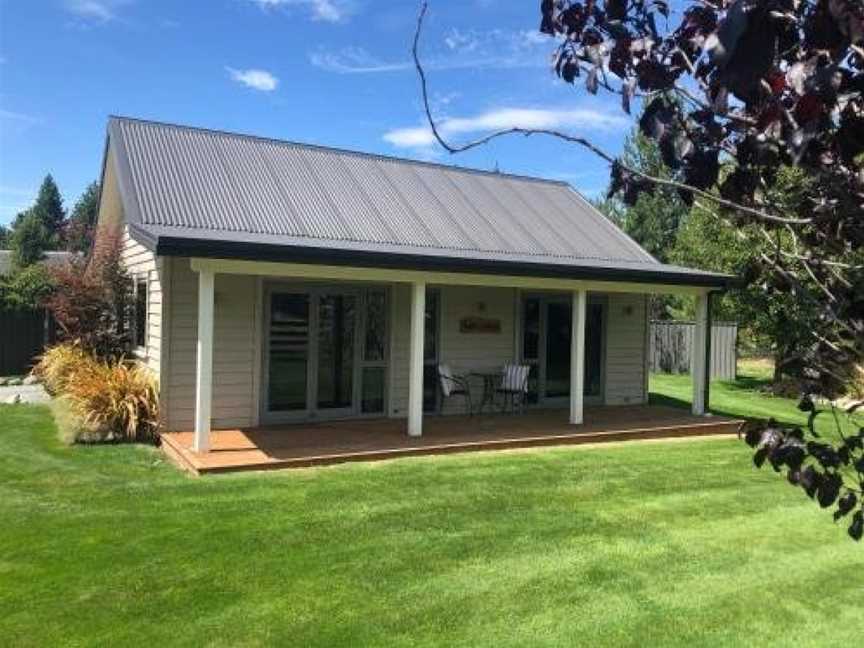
x=4 y=237
x=653 y=220
x=82 y=222
x=49 y=209
x=771 y=320
x=26 y=288
x=29 y=240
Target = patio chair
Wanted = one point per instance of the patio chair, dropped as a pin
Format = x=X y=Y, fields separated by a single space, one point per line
x=514 y=386
x=454 y=385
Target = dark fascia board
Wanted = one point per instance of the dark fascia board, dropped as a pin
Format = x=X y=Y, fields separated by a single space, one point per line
x=204 y=248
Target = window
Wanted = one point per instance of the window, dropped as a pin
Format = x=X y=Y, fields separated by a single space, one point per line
x=139 y=330
x=374 y=354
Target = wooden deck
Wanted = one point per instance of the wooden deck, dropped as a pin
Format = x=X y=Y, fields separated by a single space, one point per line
x=294 y=446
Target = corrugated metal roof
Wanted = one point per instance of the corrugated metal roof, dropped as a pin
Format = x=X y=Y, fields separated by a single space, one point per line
x=193 y=183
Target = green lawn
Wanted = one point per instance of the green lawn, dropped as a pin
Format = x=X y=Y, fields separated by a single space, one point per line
x=655 y=543
x=745 y=397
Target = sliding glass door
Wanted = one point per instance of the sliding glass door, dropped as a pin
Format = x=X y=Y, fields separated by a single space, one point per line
x=325 y=353
x=546 y=334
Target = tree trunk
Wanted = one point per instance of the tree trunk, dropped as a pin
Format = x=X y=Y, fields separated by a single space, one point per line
x=778 y=368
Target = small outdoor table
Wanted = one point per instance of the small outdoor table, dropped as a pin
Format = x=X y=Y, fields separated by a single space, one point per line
x=491 y=380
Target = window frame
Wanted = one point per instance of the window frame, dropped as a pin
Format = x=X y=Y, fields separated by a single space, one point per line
x=140 y=338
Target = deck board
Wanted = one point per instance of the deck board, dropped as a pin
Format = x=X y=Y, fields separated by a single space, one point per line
x=302 y=445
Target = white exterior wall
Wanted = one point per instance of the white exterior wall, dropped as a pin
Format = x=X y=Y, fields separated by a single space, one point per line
x=463 y=352
x=141 y=263
x=475 y=351
x=236 y=359
x=235 y=349
x=626 y=349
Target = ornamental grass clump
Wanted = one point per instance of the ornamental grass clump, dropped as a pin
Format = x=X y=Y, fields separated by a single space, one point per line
x=57 y=363
x=119 y=397
x=99 y=400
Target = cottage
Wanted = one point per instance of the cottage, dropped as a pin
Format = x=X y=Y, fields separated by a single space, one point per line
x=281 y=283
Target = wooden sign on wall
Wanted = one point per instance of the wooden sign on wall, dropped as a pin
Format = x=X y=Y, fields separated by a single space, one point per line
x=479 y=325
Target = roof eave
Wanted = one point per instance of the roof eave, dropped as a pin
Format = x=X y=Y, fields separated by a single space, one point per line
x=242 y=250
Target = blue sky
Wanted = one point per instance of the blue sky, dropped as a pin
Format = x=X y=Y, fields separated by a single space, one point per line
x=331 y=72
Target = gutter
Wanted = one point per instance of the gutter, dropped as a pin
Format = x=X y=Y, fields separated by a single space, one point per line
x=205 y=248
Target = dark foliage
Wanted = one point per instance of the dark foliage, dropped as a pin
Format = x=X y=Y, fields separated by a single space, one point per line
x=829 y=473
x=93 y=298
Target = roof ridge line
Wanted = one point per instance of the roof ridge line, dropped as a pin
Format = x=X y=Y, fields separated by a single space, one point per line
x=336 y=149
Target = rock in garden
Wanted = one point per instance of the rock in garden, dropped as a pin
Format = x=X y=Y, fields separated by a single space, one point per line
x=14 y=382
x=14 y=399
x=30 y=380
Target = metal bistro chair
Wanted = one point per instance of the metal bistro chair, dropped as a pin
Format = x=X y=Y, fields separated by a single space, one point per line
x=514 y=386
x=453 y=385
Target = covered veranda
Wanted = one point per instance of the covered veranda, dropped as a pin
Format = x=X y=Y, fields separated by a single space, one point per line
x=307 y=443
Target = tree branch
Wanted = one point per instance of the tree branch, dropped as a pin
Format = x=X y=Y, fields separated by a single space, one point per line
x=573 y=139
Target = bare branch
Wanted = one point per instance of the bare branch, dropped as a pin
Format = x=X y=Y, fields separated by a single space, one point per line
x=573 y=139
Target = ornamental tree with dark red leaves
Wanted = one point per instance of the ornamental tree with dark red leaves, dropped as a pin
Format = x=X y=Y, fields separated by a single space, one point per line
x=734 y=92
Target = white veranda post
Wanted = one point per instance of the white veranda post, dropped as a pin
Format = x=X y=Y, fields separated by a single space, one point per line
x=415 y=382
x=204 y=367
x=577 y=356
x=698 y=357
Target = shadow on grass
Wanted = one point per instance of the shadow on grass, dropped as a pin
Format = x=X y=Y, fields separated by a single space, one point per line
x=669 y=401
x=746 y=383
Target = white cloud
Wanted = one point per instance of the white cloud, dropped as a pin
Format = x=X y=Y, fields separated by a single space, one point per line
x=326 y=10
x=495 y=48
x=256 y=79
x=100 y=11
x=21 y=118
x=355 y=60
x=502 y=119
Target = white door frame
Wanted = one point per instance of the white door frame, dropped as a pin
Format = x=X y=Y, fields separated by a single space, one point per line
x=550 y=296
x=312 y=412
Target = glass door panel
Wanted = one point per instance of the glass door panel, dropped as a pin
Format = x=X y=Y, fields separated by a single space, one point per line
x=594 y=350
x=546 y=336
x=336 y=334
x=557 y=350
x=289 y=352
x=430 y=351
x=531 y=342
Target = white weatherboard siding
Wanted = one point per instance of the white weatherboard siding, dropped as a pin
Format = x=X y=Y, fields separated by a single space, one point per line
x=625 y=350
x=141 y=263
x=236 y=330
x=465 y=352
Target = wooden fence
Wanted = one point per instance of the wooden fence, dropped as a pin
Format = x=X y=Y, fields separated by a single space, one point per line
x=23 y=336
x=670 y=344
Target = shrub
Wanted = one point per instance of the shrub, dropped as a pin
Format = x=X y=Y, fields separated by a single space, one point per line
x=57 y=364
x=71 y=428
x=118 y=397
x=99 y=400
x=26 y=288
x=93 y=299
